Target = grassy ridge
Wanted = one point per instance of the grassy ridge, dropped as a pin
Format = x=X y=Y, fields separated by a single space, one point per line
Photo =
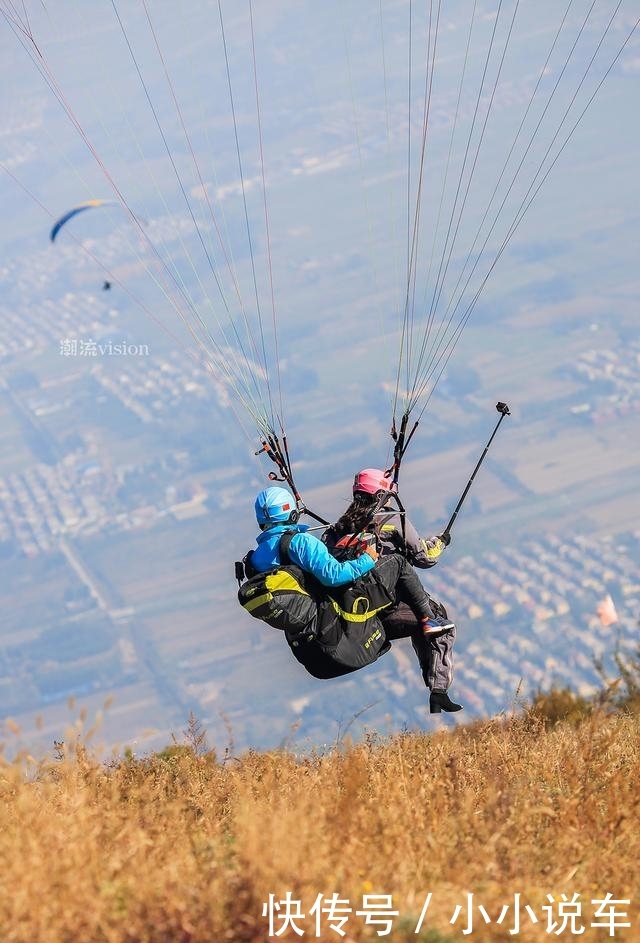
x=183 y=847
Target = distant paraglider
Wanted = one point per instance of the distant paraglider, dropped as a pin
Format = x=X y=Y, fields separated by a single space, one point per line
x=90 y=204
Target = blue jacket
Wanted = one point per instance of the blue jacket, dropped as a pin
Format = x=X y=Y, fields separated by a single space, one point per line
x=310 y=554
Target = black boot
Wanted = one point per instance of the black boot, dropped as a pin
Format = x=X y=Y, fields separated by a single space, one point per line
x=440 y=701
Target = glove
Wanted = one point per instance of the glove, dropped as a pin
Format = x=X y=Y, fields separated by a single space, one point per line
x=445 y=538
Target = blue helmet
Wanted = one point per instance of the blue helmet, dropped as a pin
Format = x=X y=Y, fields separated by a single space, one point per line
x=276 y=506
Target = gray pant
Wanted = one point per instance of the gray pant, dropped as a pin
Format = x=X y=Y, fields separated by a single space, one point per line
x=435 y=652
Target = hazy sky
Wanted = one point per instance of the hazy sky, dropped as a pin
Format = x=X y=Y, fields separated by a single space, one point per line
x=321 y=113
x=323 y=122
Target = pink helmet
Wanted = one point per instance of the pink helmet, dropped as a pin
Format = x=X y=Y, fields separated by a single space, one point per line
x=371 y=481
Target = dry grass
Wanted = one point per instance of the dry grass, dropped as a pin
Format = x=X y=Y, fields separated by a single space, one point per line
x=183 y=847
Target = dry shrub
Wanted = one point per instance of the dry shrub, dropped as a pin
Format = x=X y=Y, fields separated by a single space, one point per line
x=561 y=704
x=181 y=847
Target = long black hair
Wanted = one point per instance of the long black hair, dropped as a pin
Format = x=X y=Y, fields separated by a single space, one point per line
x=357 y=518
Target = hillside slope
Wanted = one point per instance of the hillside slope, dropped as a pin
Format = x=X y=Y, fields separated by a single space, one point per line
x=487 y=826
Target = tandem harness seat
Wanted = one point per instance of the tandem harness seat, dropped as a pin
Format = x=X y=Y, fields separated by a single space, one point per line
x=330 y=632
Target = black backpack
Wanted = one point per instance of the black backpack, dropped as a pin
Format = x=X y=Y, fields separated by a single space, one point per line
x=330 y=632
x=280 y=596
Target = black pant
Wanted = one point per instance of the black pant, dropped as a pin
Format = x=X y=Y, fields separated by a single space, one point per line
x=401 y=582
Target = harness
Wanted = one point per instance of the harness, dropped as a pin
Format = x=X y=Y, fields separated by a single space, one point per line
x=331 y=631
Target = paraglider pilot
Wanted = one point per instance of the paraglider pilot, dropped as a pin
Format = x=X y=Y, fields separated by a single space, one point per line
x=373 y=511
x=337 y=584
